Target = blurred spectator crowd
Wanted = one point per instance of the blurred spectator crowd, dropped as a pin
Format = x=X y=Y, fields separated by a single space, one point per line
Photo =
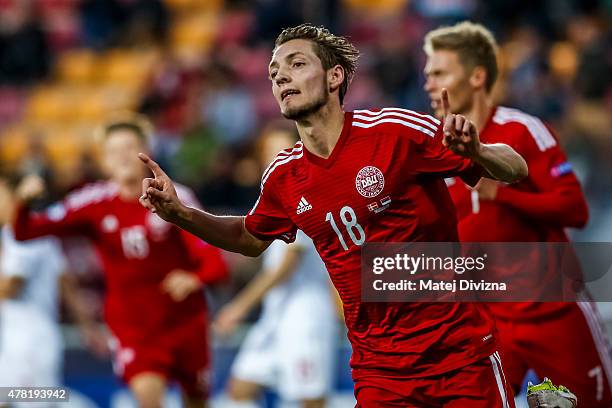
x=198 y=68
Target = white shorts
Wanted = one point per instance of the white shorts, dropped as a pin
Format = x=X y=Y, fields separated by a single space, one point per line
x=30 y=347
x=292 y=352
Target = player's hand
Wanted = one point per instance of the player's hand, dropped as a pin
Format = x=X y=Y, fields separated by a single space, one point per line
x=158 y=193
x=179 y=284
x=460 y=133
x=30 y=188
x=228 y=318
x=487 y=189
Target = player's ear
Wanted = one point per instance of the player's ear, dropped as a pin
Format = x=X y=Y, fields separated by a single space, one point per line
x=478 y=78
x=335 y=77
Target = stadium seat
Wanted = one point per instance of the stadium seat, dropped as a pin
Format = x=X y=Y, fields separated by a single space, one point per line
x=193 y=35
x=65 y=145
x=99 y=101
x=77 y=66
x=126 y=67
x=377 y=8
x=191 y=5
x=14 y=141
x=563 y=60
x=49 y=104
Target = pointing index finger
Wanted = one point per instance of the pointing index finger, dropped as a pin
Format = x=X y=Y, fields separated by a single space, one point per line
x=445 y=102
x=151 y=164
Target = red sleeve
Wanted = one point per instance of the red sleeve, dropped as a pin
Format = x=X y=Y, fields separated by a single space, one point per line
x=432 y=157
x=60 y=219
x=210 y=265
x=554 y=194
x=268 y=220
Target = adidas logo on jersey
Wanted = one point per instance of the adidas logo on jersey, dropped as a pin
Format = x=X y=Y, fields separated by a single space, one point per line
x=303 y=206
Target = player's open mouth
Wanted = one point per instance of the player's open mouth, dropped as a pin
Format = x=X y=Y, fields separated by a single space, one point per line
x=288 y=92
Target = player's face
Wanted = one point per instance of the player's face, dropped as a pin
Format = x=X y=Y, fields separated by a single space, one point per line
x=121 y=162
x=299 y=82
x=444 y=70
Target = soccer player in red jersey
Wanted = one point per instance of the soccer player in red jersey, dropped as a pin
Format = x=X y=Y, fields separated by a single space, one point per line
x=155 y=271
x=404 y=354
x=563 y=341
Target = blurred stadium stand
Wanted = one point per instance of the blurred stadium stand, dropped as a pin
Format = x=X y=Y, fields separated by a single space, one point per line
x=199 y=69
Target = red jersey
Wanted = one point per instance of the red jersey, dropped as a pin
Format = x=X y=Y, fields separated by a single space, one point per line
x=137 y=249
x=383 y=182
x=534 y=210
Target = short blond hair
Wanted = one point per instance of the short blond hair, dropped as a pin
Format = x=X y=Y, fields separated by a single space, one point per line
x=473 y=43
x=138 y=124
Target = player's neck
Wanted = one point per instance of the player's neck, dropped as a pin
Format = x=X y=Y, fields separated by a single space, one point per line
x=130 y=190
x=321 y=130
x=480 y=110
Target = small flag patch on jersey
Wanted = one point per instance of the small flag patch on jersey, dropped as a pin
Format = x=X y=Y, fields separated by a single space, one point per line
x=561 y=169
x=303 y=205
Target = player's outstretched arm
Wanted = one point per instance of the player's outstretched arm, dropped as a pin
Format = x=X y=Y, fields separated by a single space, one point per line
x=225 y=232
x=498 y=159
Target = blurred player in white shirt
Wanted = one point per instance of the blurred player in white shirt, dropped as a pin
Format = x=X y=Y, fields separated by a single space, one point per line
x=291 y=348
x=31 y=344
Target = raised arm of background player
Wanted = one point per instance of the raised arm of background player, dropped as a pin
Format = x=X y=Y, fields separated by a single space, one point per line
x=208 y=265
x=236 y=311
x=230 y=233
x=550 y=194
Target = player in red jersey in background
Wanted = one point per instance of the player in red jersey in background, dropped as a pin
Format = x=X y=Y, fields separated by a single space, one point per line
x=155 y=306
x=404 y=354
x=563 y=341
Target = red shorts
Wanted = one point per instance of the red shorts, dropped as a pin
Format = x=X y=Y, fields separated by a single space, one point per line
x=180 y=355
x=479 y=385
x=570 y=348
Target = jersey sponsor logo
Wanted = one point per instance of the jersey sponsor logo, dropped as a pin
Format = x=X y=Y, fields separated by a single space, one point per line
x=303 y=206
x=110 y=223
x=369 y=182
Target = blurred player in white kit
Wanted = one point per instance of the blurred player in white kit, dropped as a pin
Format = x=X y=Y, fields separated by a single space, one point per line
x=30 y=340
x=291 y=348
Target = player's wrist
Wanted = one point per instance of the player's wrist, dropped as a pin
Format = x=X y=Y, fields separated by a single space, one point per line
x=479 y=153
x=183 y=214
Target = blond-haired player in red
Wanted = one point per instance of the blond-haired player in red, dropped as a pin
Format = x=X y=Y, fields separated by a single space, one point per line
x=155 y=306
x=563 y=341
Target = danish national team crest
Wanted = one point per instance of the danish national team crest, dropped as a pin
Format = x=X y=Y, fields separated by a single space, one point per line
x=370 y=181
